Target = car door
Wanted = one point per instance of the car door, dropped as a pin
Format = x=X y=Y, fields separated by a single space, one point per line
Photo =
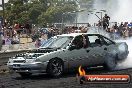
x=107 y=45
x=77 y=55
x=94 y=51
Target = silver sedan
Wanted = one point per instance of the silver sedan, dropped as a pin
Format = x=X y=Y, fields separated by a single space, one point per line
x=69 y=51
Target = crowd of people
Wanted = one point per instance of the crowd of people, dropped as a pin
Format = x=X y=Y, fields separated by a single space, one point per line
x=12 y=34
x=40 y=35
x=74 y=29
x=122 y=30
x=115 y=29
x=53 y=31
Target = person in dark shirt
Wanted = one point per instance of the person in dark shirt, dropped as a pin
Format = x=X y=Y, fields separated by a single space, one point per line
x=81 y=41
x=106 y=19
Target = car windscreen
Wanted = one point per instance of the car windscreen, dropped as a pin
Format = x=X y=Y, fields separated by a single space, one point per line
x=57 y=42
x=47 y=42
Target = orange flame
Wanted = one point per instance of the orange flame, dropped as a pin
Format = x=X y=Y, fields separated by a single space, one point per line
x=81 y=71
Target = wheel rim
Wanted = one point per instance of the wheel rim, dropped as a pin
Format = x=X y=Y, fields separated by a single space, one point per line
x=57 y=67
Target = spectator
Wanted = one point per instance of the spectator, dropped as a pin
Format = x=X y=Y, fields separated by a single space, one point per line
x=50 y=32
x=116 y=31
x=106 y=19
x=121 y=29
x=126 y=33
x=7 y=41
x=72 y=29
x=125 y=30
x=84 y=30
x=16 y=26
x=37 y=43
x=43 y=38
x=99 y=23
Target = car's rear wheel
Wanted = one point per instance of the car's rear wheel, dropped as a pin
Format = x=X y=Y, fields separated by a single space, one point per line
x=110 y=63
x=55 y=67
x=25 y=75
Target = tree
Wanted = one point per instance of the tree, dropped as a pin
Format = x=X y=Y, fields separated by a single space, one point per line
x=16 y=10
x=35 y=11
x=57 y=11
x=39 y=11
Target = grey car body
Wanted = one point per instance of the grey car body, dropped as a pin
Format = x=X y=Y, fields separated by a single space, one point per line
x=69 y=51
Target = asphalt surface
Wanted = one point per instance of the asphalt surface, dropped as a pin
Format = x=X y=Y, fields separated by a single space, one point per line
x=68 y=80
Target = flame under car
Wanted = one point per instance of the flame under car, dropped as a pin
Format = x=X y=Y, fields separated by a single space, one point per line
x=68 y=51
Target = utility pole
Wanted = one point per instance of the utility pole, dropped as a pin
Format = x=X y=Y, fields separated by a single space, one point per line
x=62 y=22
x=76 y=19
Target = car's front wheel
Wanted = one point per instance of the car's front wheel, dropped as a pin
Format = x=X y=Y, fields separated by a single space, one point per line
x=55 y=67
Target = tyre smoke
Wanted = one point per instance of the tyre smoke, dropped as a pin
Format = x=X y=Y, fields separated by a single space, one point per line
x=127 y=63
x=118 y=10
x=122 y=13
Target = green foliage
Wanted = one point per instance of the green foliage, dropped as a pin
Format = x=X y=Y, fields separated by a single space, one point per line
x=35 y=11
x=54 y=14
x=39 y=12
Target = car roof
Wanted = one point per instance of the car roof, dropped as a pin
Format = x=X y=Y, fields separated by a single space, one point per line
x=77 y=34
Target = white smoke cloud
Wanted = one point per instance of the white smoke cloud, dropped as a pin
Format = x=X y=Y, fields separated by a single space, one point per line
x=123 y=11
x=127 y=63
x=119 y=11
x=96 y=30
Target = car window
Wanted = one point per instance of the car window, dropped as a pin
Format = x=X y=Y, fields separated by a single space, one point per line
x=48 y=42
x=107 y=41
x=57 y=42
x=78 y=41
x=94 y=41
x=81 y=41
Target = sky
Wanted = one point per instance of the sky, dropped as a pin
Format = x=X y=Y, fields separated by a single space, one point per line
x=4 y=0
x=1 y=3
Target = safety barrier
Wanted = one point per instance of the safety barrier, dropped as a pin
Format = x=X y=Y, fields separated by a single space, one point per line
x=18 y=46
